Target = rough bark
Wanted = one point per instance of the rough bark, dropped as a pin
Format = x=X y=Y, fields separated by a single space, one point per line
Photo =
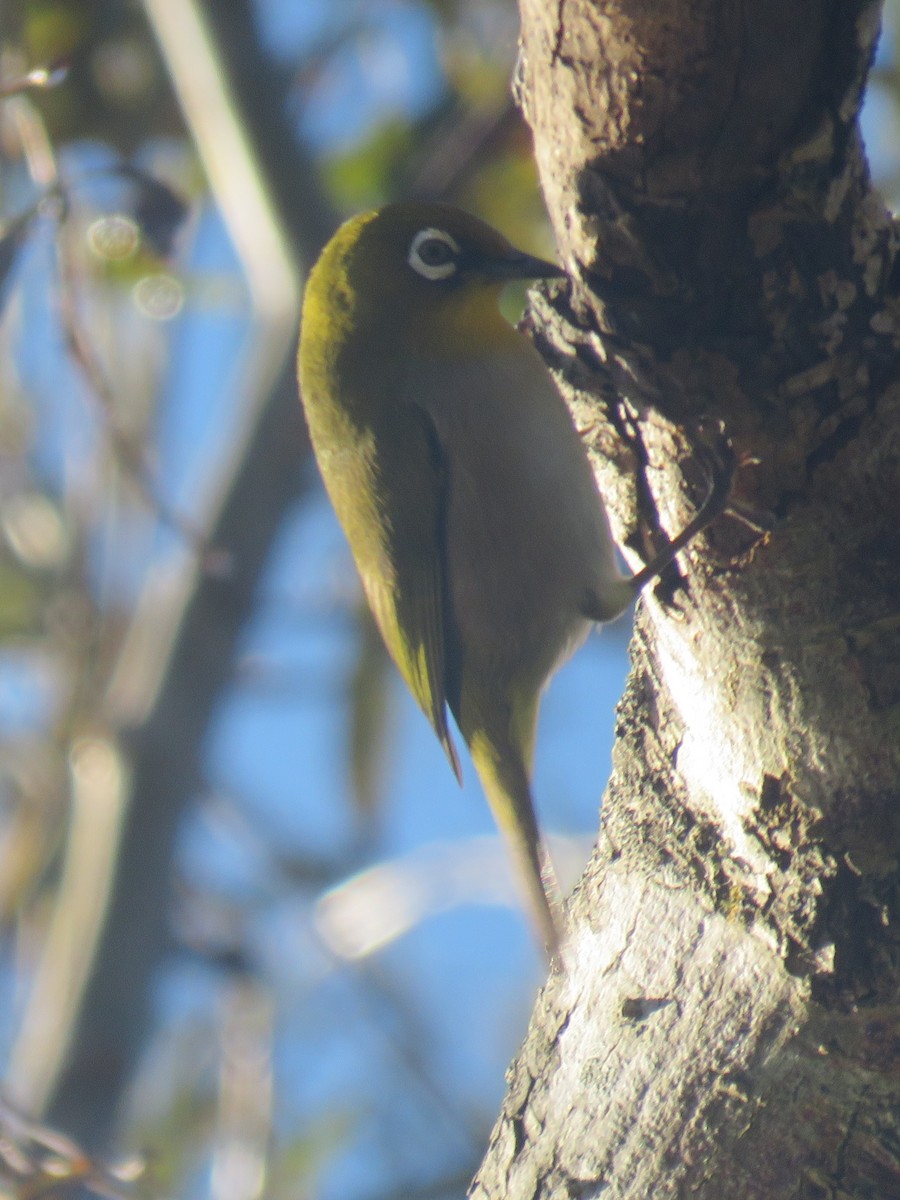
x=726 y=1023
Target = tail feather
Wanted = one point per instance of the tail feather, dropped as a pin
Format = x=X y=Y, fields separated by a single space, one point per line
x=504 y=777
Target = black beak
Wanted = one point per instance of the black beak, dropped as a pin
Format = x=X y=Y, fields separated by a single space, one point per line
x=517 y=265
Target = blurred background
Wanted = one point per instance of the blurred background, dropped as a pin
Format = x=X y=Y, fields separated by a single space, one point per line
x=254 y=941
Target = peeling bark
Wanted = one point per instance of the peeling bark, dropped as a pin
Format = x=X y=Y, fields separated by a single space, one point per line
x=726 y=1023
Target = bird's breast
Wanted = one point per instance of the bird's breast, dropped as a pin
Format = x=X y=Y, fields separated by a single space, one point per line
x=526 y=532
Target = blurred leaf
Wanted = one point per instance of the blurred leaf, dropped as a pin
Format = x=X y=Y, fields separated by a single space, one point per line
x=35 y=531
x=475 y=75
x=20 y=602
x=174 y=1142
x=505 y=189
x=31 y=835
x=447 y=10
x=55 y=28
x=366 y=176
x=296 y=1165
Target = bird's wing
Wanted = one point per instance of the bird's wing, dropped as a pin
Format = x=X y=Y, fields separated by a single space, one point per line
x=408 y=597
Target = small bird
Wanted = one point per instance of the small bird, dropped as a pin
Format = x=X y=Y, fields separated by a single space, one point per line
x=464 y=490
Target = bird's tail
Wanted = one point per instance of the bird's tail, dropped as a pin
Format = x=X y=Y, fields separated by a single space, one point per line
x=504 y=776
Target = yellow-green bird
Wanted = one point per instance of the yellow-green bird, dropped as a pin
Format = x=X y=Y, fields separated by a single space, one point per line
x=463 y=488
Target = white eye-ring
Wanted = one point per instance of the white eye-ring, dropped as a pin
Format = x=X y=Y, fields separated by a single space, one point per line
x=433 y=254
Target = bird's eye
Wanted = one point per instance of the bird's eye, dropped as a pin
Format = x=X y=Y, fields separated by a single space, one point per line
x=433 y=254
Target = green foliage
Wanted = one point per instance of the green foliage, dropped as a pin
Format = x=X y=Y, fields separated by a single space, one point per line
x=364 y=176
x=20 y=601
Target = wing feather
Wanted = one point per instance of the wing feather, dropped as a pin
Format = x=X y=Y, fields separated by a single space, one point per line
x=398 y=539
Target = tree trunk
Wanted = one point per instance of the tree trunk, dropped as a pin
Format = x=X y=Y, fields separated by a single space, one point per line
x=726 y=1022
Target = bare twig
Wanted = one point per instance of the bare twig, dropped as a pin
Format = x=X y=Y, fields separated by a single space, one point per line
x=37 y=79
x=39 y=1161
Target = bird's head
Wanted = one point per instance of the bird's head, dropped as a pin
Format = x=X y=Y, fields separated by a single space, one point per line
x=426 y=276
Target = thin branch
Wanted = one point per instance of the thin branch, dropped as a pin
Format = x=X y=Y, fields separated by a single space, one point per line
x=37 y=79
x=39 y=1161
x=175 y=665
